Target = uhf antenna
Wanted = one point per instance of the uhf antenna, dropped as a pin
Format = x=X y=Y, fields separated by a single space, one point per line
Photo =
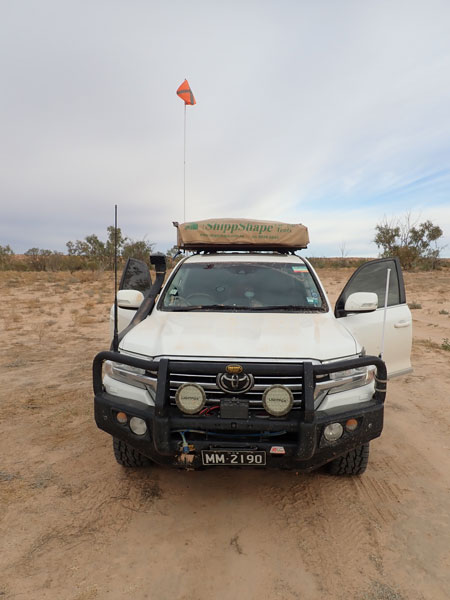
x=116 y=334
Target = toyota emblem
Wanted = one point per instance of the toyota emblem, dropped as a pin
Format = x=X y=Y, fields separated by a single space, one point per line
x=235 y=383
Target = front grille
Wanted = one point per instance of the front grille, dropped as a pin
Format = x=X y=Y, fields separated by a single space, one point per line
x=214 y=394
x=254 y=396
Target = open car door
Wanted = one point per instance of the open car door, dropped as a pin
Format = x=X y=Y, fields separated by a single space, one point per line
x=135 y=276
x=367 y=327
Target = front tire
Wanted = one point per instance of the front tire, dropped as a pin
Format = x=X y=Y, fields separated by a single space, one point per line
x=352 y=463
x=128 y=456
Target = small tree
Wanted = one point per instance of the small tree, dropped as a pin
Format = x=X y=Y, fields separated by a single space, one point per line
x=38 y=258
x=343 y=249
x=110 y=242
x=6 y=257
x=137 y=249
x=97 y=253
x=414 y=244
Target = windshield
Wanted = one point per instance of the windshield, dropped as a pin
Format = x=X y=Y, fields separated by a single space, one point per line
x=242 y=286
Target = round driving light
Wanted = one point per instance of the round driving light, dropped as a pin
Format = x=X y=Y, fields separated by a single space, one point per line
x=122 y=417
x=190 y=398
x=278 y=400
x=351 y=425
x=333 y=432
x=138 y=426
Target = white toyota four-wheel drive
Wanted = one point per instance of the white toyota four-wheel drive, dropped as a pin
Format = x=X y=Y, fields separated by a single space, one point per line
x=240 y=360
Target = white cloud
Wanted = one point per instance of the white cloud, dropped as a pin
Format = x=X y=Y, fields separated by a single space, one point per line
x=328 y=113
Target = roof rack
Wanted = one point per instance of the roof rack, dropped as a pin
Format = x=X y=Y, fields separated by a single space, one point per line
x=214 y=235
x=236 y=249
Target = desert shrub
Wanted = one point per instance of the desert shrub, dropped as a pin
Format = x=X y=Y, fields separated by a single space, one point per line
x=98 y=254
x=173 y=256
x=322 y=262
x=55 y=261
x=95 y=254
x=140 y=249
x=74 y=263
x=416 y=245
x=38 y=259
x=6 y=257
x=414 y=305
x=91 y=253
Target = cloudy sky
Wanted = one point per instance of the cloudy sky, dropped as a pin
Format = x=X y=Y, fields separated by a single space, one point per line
x=333 y=114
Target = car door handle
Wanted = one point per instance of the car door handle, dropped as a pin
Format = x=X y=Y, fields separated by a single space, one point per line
x=402 y=324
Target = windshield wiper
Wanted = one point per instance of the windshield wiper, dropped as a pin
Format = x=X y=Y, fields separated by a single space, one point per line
x=286 y=307
x=206 y=307
x=231 y=307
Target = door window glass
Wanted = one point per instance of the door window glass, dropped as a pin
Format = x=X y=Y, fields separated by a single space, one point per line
x=136 y=276
x=372 y=278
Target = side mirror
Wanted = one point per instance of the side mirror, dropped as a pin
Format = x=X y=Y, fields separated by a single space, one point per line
x=361 y=302
x=129 y=298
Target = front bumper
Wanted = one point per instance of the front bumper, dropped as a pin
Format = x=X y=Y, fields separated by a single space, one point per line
x=300 y=433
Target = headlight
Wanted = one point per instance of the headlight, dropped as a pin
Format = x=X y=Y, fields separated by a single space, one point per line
x=340 y=381
x=278 y=400
x=350 y=379
x=190 y=398
x=131 y=375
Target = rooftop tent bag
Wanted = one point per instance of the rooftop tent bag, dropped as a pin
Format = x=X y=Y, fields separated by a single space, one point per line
x=241 y=234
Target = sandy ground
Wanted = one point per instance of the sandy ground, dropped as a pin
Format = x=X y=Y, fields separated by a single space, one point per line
x=75 y=525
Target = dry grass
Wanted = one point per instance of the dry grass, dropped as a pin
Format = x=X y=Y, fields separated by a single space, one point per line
x=414 y=305
x=427 y=343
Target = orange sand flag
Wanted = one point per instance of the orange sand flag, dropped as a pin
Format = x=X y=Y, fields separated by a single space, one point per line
x=185 y=93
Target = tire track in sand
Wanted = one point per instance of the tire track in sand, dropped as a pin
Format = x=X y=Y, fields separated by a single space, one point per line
x=336 y=523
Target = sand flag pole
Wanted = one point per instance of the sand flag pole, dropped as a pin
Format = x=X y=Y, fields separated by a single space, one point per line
x=185 y=93
x=184 y=168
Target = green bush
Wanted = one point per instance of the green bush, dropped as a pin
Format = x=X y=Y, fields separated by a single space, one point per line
x=6 y=257
x=416 y=245
x=44 y=260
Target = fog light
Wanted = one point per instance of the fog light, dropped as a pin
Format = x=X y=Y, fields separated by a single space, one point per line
x=333 y=432
x=351 y=425
x=278 y=400
x=190 y=398
x=122 y=418
x=138 y=426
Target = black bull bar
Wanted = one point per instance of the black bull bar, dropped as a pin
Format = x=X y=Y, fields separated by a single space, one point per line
x=303 y=421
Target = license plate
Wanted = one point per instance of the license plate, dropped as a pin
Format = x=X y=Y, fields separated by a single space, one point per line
x=237 y=458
